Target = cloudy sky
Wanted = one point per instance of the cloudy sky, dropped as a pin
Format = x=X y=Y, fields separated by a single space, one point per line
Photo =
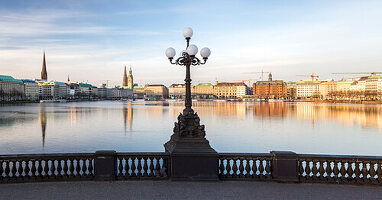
x=92 y=40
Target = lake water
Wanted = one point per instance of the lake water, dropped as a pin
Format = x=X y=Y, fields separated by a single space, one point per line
x=230 y=127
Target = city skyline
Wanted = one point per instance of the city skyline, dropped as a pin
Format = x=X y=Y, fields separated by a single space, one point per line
x=97 y=39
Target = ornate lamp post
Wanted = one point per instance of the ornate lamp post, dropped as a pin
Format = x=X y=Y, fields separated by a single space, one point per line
x=192 y=158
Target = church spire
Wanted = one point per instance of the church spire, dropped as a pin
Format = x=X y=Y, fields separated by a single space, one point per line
x=44 y=74
x=124 y=82
x=68 y=79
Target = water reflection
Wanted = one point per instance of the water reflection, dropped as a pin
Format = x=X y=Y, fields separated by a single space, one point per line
x=235 y=126
x=127 y=112
x=42 y=119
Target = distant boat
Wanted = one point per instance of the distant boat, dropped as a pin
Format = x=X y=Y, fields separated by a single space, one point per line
x=54 y=101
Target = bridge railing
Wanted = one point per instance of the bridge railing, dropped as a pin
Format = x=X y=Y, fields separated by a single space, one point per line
x=46 y=167
x=110 y=165
x=340 y=169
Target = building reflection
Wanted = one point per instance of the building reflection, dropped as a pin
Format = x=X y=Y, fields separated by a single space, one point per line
x=127 y=112
x=43 y=120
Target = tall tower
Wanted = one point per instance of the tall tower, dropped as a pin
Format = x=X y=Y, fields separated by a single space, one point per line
x=68 y=79
x=44 y=74
x=124 y=81
x=130 y=81
x=270 y=77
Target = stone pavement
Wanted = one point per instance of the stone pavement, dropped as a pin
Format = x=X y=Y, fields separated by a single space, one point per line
x=185 y=190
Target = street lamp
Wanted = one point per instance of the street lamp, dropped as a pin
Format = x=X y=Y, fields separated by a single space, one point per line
x=191 y=156
x=188 y=122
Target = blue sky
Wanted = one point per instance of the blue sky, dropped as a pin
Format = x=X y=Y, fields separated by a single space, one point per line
x=92 y=40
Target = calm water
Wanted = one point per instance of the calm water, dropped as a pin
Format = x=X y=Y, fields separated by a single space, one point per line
x=230 y=127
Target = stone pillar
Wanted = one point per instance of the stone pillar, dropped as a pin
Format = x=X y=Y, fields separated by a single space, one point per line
x=284 y=166
x=105 y=165
x=191 y=156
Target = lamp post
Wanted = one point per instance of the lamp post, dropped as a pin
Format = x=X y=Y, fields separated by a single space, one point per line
x=189 y=150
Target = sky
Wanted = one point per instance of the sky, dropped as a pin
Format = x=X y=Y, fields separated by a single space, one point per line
x=92 y=40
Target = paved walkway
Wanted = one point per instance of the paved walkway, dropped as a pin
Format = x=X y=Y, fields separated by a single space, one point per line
x=185 y=190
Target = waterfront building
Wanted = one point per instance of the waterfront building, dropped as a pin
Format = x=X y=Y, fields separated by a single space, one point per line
x=102 y=91
x=308 y=89
x=156 y=91
x=291 y=90
x=343 y=85
x=53 y=90
x=373 y=88
x=226 y=90
x=327 y=88
x=31 y=89
x=138 y=91
x=86 y=90
x=203 y=91
x=11 y=88
x=44 y=74
x=359 y=84
x=275 y=89
x=177 y=91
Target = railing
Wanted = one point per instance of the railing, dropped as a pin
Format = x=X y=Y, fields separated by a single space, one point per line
x=45 y=167
x=245 y=166
x=109 y=165
x=142 y=165
x=340 y=169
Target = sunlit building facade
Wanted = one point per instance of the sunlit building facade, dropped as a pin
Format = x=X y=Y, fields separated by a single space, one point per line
x=308 y=89
x=226 y=90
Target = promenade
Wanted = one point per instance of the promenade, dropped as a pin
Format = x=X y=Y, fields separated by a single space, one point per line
x=186 y=190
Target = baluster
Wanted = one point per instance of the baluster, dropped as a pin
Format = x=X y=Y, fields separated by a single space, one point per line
x=71 y=167
x=27 y=169
x=127 y=166
x=229 y=168
x=52 y=169
x=247 y=168
x=66 y=174
x=19 y=170
x=82 y=164
x=151 y=166
x=234 y=168
x=33 y=169
x=329 y=171
x=307 y=169
x=301 y=169
x=7 y=170
x=314 y=169
x=90 y=167
x=133 y=167
x=39 y=169
x=267 y=169
x=14 y=169
x=372 y=172
x=139 y=167
x=120 y=167
x=350 y=171
x=145 y=167
x=165 y=166
x=221 y=167
x=357 y=172
x=364 y=172
x=1 y=170
x=379 y=172
x=241 y=167
x=46 y=168
x=335 y=170
x=78 y=168
x=343 y=171
x=321 y=170
x=157 y=167
x=59 y=169
x=261 y=169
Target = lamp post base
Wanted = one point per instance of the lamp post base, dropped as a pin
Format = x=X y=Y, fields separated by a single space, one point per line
x=191 y=156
